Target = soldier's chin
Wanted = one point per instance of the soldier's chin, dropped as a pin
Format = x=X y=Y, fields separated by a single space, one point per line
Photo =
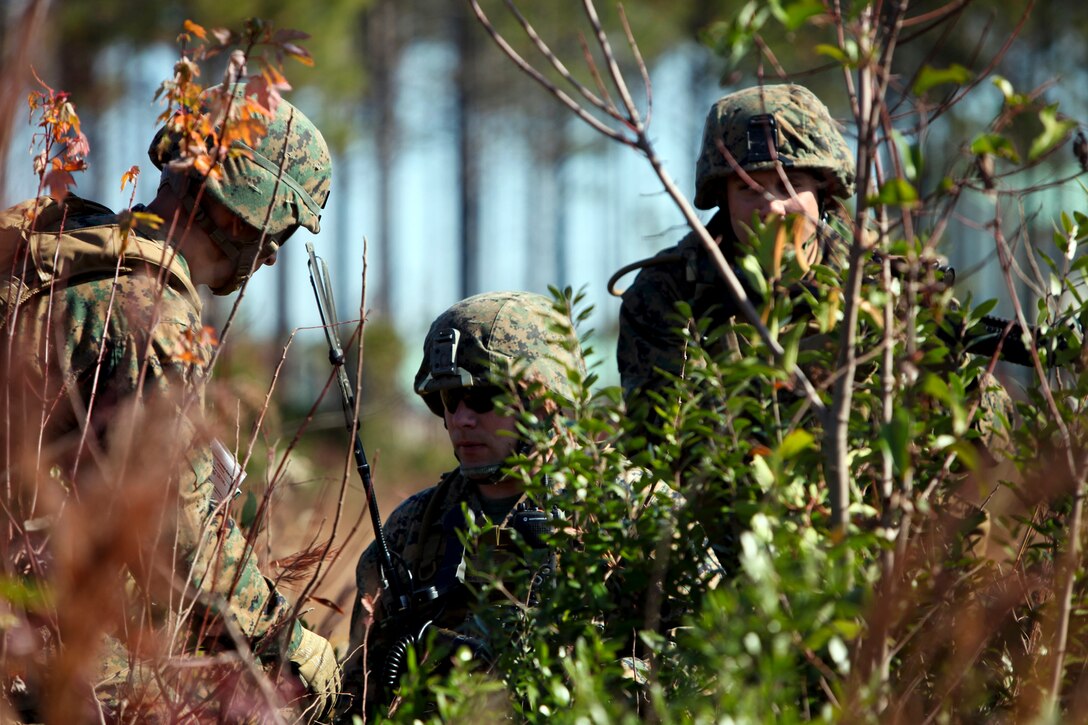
x=231 y=285
x=238 y=278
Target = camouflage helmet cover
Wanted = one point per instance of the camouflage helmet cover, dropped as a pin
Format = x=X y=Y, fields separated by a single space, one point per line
x=804 y=137
x=251 y=184
x=499 y=336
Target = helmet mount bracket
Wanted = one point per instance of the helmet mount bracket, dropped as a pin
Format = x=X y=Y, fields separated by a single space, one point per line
x=763 y=140
x=444 y=352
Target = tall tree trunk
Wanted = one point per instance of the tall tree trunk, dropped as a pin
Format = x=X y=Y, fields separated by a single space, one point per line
x=19 y=36
x=384 y=44
x=562 y=211
x=545 y=198
x=467 y=43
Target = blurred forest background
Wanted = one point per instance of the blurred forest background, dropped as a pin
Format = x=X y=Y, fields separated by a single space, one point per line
x=464 y=178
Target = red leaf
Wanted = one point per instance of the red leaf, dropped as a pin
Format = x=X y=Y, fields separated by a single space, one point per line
x=299 y=54
x=58 y=182
x=78 y=146
x=130 y=176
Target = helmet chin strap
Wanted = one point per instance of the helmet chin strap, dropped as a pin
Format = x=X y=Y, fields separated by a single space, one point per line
x=243 y=258
x=484 y=475
x=492 y=473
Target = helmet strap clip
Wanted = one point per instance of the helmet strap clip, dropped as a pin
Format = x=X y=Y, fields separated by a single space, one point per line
x=444 y=352
x=762 y=139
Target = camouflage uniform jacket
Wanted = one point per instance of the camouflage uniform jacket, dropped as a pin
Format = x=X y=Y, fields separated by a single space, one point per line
x=650 y=341
x=423 y=534
x=652 y=345
x=106 y=327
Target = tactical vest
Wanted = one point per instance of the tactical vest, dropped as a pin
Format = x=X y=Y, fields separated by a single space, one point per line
x=439 y=559
x=46 y=245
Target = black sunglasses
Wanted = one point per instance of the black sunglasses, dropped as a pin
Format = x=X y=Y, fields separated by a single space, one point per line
x=478 y=400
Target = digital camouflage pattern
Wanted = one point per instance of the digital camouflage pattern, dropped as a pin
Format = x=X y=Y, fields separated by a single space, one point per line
x=653 y=337
x=280 y=183
x=100 y=332
x=421 y=532
x=488 y=339
x=499 y=336
x=807 y=138
x=425 y=531
x=657 y=343
x=650 y=339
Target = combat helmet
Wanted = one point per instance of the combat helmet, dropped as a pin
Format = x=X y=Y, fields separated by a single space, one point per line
x=251 y=184
x=495 y=338
x=761 y=124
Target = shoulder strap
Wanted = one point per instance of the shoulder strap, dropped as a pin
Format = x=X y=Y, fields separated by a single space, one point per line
x=425 y=547
x=56 y=244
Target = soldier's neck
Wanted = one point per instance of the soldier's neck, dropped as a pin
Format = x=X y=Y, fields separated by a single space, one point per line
x=505 y=488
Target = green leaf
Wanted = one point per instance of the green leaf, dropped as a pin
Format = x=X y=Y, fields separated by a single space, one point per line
x=750 y=265
x=980 y=310
x=762 y=473
x=895 y=192
x=791 y=344
x=937 y=388
x=895 y=439
x=25 y=594
x=795 y=14
x=1012 y=98
x=797 y=441
x=1002 y=84
x=966 y=453
x=1054 y=132
x=910 y=156
x=1055 y=285
x=847 y=55
x=996 y=144
x=930 y=77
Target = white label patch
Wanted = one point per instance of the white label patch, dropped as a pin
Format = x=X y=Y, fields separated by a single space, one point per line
x=227 y=474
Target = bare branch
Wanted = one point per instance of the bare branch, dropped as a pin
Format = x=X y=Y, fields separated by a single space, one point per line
x=642 y=142
x=552 y=58
x=550 y=87
x=643 y=71
x=613 y=67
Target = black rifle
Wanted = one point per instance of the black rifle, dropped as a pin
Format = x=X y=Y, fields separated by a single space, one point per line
x=390 y=577
x=996 y=336
x=411 y=612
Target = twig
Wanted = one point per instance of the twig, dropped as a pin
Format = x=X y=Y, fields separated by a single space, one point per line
x=345 y=477
x=639 y=139
x=870 y=98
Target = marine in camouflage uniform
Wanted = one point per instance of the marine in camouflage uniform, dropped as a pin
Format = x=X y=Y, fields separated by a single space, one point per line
x=757 y=126
x=495 y=345
x=106 y=354
x=756 y=134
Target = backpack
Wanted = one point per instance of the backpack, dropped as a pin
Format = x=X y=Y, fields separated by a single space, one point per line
x=46 y=244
